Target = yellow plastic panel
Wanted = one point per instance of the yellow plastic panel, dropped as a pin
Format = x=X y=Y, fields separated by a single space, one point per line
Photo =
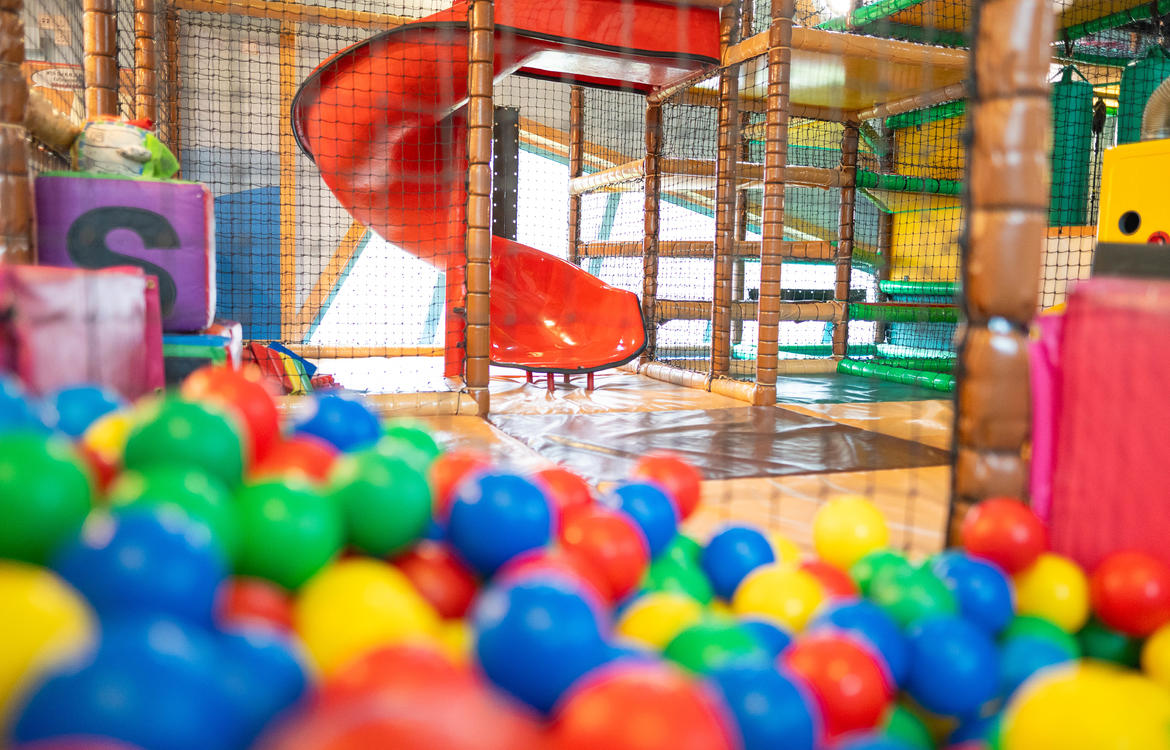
x=1132 y=180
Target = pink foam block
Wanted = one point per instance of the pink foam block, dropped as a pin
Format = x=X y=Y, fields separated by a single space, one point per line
x=1044 y=357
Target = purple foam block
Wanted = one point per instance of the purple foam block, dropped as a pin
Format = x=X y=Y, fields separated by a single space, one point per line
x=166 y=228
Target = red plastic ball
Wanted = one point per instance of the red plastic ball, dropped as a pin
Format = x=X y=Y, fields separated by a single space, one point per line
x=611 y=542
x=1004 y=531
x=669 y=471
x=102 y=471
x=564 y=489
x=446 y=472
x=641 y=706
x=395 y=672
x=303 y=456
x=248 y=601
x=441 y=577
x=851 y=686
x=836 y=582
x=557 y=561
x=1130 y=592
x=247 y=395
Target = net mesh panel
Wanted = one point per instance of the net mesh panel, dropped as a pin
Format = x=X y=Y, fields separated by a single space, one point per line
x=53 y=50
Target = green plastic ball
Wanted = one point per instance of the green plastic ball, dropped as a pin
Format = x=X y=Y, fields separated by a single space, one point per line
x=863 y=571
x=1038 y=627
x=407 y=433
x=903 y=725
x=1101 y=642
x=714 y=644
x=200 y=498
x=184 y=433
x=45 y=494
x=910 y=595
x=287 y=532
x=666 y=574
x=386 y=502
x=684 y=550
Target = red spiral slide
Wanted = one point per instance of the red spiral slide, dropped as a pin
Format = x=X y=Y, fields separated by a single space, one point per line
x=384 y=122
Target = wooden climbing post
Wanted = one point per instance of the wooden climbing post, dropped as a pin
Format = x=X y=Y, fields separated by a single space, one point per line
x=16 y=218
x=480 y=124
x=650 y=218
x=576 y=167
x=844 y=260
x=725 y=202
x=145 y=62
x=100 y=63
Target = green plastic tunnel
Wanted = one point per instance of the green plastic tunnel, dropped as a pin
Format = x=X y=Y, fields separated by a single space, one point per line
x=1138 y=81
x=1072 y=149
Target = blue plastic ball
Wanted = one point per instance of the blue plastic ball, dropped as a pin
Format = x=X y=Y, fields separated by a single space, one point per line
x=344 y=422
x=78 y=407
x=151 y=683
x=954 y=666
x=770 y=710
x=262 y=673
x=495 y=517
x=982 y=591
x=144 y=562
x=877 y=628
x=1022 y=656
x=732 y=554
x=981 y=729
x=651 y=509
x=535 y=637
x=18 y=410
x=772 y=637
x=871 y=741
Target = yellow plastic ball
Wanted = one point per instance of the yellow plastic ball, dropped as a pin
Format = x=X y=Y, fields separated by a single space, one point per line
x=785 y=549
x=720 y=608
x=847 y=529
x=1087 y=706
x=1156 y=656
x=656 y=618
x=107 y=436
x=356 y=605
x=43 y=622
x=788 y=595
x=1056 y=589
x=456 y=640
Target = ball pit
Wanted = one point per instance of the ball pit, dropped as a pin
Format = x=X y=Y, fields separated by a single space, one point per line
x=238 y=578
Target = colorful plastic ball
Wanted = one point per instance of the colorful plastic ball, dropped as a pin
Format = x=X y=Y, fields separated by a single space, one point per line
x=1105 y=644
x=655 y=618
x=80 y=742
x=288 y=532
x=770 y=710
x=152 y=683
x=681 y=480
x=1155 y=656
x=394 y=672
x=536 y=636
x=714 y=644
x=386 y=502
x=640 y=706
x=768 y=634
x=611 y=543
x=866 y=569
x=731 y=554
x=836 y=583
x=565 y=490
x=1023 y=656
x=847 y=529
x=1038 y=627
x=445 y=474
x=851 y=687
x=1004 y=531
x=262 y=673
x=557 y=561
x=650 y=508
x=1087 y=706
x=18 y=412
x=44 y=495
x=44 y=623
x=1130 y=592
x=300 y=457
x=441 y=577
x=198 y=435
x=78 y=407
x=253 y=602
x=245 y=394
x=356 y=605
x=684 y=550
x=902 y=725
x=982 y=732
x=788 y=596
x=982 y=591
x=142 y=562
x=456 y=639
x=909 y=595
x=410 y=441
x=871 y=624
x=1054 y=588
x=198 y=497
x=342 y=421
x=496 y=516
x=954 y=666
x=667 y=574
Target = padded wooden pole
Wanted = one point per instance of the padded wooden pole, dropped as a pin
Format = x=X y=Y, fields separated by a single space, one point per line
x=849 y=138
x=576 y=166
x=172 y=135
x=772 y=226
x=100 y=31
x=1006 y=205
x=650 y=217
x=738 y=269
x=725 y=196
x=885 y=237
x=145 y=62
x=16 y=218
x=480 y=121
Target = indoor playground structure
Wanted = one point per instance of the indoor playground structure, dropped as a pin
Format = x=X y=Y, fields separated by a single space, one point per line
x=576 y=374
